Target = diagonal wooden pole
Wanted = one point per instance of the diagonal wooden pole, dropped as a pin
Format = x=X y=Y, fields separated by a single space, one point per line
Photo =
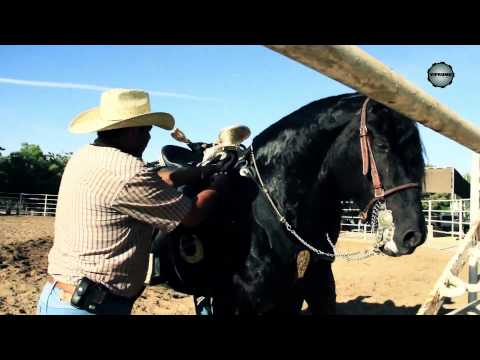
x=355 y=68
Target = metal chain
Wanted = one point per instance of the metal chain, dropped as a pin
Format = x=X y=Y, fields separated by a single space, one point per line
x=359 y=255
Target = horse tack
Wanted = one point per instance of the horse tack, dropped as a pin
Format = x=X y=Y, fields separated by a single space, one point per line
x=303 y=260
x=368 y=161
x=388 y=226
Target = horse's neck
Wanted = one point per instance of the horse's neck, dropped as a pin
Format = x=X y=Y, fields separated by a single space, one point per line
x=289 y=165
x=321 y=210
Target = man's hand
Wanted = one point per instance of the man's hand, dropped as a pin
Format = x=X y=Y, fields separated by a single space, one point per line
x=194 y=175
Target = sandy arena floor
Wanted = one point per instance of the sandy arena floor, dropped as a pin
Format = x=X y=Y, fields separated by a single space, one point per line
x=379 y=285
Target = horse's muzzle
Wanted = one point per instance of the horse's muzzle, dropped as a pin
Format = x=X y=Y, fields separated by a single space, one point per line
x=410 y=241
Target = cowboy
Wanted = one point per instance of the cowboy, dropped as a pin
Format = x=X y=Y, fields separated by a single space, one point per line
x=108 y=202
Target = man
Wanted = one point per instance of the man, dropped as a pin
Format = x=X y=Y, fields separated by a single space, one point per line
x=108 y=202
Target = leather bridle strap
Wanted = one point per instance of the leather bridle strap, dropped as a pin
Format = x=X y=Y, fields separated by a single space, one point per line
x=364 y=214
x=367 y=154
x=368 y=160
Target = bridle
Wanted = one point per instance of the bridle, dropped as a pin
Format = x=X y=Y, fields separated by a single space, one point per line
x=367 y=159
x=384 y=233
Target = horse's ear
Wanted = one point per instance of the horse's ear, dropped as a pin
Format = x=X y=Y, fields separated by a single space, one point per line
x=335 y=119
x=340 y=113
x=378 y=108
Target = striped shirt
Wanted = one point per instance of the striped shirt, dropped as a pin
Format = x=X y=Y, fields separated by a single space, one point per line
x=108 y=204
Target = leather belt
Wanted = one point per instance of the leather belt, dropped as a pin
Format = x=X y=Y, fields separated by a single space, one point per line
x=67 y=291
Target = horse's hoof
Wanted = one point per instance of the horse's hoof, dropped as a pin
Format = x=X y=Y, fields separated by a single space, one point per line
x=303 y=259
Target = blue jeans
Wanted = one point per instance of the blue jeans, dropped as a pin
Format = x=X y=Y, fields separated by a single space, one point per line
x=50 y=303
x=203 y=305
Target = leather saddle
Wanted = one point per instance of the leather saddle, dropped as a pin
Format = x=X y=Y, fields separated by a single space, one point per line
x=185 y=258
x=177 y=256
x=177 y=156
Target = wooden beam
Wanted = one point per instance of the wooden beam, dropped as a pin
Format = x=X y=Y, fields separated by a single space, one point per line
x=353 y=67
x=471 y=309
x=457 y=262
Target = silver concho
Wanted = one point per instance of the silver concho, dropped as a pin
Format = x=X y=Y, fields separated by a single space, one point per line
x=244 y=171
x=385 y=228
x=385 y=218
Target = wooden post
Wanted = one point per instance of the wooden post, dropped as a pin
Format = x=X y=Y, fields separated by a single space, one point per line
x=475 y=189
x=21 y=202
x=355 y=68
x=435 y=300
x=474 y=215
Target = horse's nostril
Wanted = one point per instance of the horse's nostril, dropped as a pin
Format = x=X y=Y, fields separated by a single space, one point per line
x=413 y=238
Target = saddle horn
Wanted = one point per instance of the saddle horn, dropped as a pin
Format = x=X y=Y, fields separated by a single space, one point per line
x=179 y=135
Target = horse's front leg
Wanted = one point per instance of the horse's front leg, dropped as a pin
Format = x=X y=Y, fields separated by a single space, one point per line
x=290 y=303
x=223 y=305
x=318 y=287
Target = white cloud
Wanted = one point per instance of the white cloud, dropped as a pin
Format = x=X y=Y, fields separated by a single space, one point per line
x=96 y=88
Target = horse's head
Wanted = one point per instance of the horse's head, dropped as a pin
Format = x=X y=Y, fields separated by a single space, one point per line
x=397 y=151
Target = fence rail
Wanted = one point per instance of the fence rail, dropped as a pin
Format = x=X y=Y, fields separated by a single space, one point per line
x=448 y=285
x=454 y=221
x=28 y=204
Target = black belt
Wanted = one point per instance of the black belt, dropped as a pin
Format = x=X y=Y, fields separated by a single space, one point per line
x=69 y=289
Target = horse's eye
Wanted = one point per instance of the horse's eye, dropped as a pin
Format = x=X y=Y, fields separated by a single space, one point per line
x=382 y=146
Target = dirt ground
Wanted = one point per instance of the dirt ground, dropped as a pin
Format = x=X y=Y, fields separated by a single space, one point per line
x=379 y=285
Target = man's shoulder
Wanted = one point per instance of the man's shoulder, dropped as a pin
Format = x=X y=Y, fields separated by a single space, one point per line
x=107 y=154
x=107 y=160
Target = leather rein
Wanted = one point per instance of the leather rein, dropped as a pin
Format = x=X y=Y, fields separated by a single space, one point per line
x=368 y=161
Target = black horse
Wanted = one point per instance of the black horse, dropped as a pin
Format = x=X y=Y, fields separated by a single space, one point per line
x=309 y=161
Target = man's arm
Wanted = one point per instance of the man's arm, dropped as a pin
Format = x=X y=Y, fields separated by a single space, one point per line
x=202 y=206
x=193 y=175
x=182 y=176
x=206 y=201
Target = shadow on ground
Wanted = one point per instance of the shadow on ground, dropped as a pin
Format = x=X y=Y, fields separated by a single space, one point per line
x=359 y=307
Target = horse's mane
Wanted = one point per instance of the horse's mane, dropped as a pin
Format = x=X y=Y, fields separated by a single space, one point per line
x=306 y=115
x=409 y=147
x=329 y=115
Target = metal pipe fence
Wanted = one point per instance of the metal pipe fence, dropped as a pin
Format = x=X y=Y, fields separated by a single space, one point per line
x=452 y=220
x=28 y=204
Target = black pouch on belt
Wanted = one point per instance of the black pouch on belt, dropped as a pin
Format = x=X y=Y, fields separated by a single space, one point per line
x=88 y=295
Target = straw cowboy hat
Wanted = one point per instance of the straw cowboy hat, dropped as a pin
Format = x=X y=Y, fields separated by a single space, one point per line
x=120 y=108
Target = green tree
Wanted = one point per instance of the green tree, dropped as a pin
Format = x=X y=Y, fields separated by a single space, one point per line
x=436 y=205
x=30 y=170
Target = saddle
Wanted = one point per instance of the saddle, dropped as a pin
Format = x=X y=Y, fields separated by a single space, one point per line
x=180 y=259
x=174 y=156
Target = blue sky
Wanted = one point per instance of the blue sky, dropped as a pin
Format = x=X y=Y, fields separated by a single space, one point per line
x=205 y=87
